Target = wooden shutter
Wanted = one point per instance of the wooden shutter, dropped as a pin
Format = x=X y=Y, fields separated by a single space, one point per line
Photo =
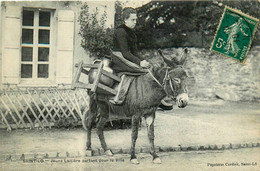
x=65 y=47
x=12 y=31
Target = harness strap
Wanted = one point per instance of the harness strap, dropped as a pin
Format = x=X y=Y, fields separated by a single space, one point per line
x=171 y=86
x=155 y=79
x=165 y=79
x=109 y=114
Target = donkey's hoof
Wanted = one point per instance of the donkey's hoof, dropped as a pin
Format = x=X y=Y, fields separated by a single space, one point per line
x=108 y=153
x=89 y=153
x=134 y=161
x=157 y=161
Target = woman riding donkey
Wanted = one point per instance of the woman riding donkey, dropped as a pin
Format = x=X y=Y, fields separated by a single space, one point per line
x=143 y=92
x=125 y=46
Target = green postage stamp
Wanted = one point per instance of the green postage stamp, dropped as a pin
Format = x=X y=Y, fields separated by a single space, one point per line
x=234 y=34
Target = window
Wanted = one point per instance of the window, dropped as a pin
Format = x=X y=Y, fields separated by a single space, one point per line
x=36 y=44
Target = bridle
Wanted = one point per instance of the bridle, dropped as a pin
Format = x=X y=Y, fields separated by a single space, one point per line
x=166 y=79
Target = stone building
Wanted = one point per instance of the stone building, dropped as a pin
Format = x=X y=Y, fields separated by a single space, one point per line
x=40 y=43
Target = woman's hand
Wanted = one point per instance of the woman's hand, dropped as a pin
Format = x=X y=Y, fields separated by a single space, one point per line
x=145 y=64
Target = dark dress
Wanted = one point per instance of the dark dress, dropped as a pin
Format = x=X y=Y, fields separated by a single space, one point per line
x=125 y=41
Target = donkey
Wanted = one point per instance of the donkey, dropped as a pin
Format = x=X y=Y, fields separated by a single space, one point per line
x=144 y=96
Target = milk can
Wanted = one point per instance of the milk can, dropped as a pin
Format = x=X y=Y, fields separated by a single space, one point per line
x=103 y=79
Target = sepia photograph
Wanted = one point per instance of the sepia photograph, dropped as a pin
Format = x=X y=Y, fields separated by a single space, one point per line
x=130 y=85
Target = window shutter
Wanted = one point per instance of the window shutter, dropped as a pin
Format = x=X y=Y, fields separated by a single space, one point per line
x=65 y=47
x=11 y=39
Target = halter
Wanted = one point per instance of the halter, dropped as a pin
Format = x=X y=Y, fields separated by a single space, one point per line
x=166 y=79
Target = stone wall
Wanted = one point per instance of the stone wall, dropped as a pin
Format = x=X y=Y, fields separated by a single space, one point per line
x=213 y=76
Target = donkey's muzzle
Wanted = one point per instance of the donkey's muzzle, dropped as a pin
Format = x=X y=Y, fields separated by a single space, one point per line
x=182 y=100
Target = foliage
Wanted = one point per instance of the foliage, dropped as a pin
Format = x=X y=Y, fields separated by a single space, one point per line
x=96 y=38
x=178 y=23
x=118 y=14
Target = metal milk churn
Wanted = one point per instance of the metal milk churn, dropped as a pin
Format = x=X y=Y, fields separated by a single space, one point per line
x=103 y=79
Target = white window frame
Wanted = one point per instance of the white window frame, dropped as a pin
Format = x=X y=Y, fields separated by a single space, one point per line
x=34 y=81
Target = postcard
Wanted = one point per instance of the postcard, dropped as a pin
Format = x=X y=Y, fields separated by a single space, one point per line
x=129 y=85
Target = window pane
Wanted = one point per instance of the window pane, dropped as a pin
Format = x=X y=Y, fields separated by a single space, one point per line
x=28 y=18
x=43 y=70
x=27 y=36
x=27 y=53
x=44 y=36
x=44 y=18
x=26 y=71
x=43 y=54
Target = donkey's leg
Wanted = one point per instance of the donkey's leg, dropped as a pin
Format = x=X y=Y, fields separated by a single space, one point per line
x=135 y=123
x=100 y=127
x=150 y=130
x=88 y=120
x=88 y=125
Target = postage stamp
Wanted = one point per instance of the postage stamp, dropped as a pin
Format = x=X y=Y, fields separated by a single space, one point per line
x=235 y=34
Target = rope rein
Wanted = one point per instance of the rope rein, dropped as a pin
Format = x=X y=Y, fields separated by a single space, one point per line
x=165 y=79
x=155 y=79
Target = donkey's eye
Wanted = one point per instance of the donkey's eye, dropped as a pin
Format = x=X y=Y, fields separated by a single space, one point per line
x=177 y=80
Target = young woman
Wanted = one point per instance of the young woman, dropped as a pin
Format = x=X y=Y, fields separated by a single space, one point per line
x=125 y=40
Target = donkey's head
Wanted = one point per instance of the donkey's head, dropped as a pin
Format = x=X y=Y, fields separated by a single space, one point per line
x=175 y=80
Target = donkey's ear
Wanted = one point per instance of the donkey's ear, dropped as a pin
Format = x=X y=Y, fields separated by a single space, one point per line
x=184 y=56
x=170 y=63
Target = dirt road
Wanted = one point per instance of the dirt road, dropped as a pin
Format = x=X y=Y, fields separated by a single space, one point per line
x=199 y=123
